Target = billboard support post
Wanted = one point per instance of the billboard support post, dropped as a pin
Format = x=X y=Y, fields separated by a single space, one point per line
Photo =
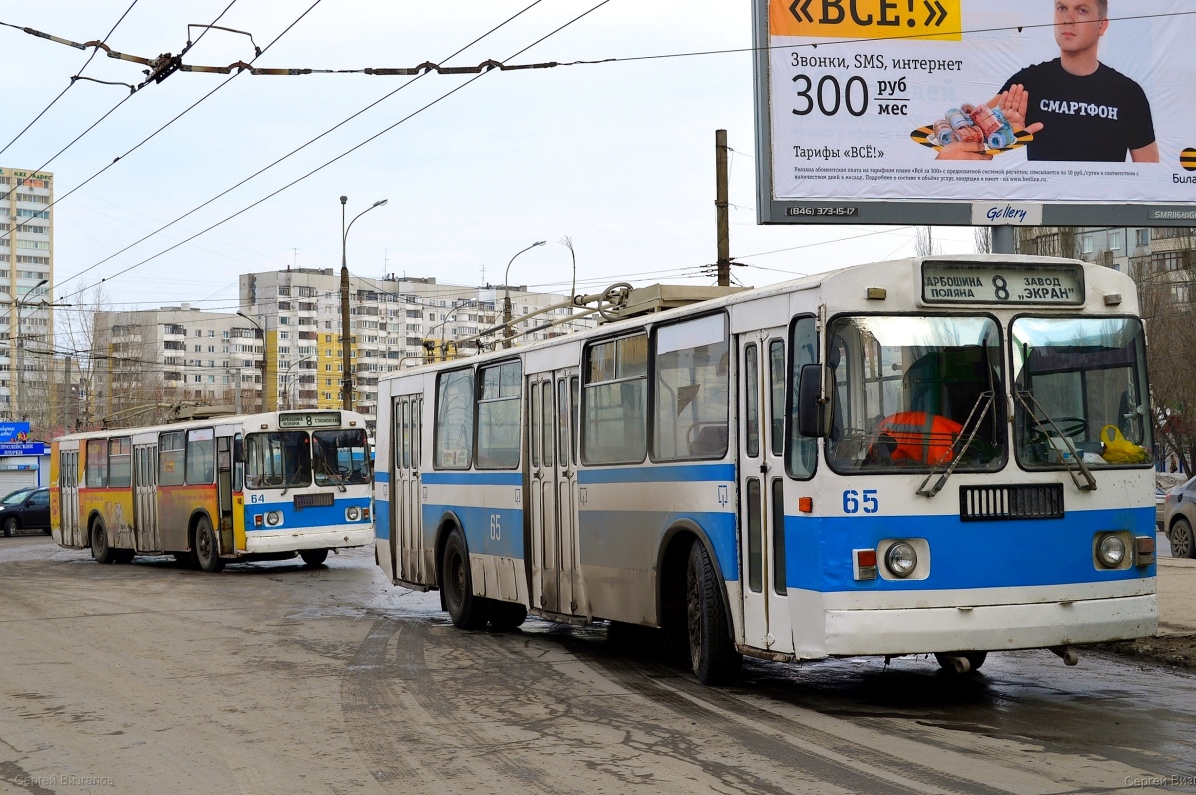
x=1004 y=240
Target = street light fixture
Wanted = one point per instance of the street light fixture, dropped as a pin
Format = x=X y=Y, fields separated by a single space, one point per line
x=265 y=354
x=506 y=301
x=20 y=380
x=346 y=336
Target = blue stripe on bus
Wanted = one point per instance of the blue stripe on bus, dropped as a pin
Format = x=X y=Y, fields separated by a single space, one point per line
x=382 y=520
x=472 y=478
x=1018 y=553
x=381 y=476
x=307 y=517
x=659 y=474
x=476 y=525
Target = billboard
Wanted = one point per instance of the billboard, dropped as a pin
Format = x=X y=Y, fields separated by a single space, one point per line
x=1022 y=112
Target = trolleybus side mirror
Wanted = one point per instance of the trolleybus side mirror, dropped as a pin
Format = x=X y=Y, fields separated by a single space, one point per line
x=813 y=416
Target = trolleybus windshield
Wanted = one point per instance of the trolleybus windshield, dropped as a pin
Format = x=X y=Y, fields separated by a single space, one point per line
x=340 y=457
x=1080 y=390
x=914 y=392
x=277 y=460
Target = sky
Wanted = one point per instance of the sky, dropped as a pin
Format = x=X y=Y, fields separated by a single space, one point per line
x=619 y=157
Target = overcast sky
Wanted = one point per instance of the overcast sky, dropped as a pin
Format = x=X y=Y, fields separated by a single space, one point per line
x=618 y=156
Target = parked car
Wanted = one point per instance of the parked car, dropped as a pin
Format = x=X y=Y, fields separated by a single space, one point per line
x=1160 y=508
x=25 y=508
x=1179 y=517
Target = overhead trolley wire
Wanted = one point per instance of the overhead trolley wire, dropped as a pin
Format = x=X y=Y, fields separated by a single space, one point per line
x=293 y=152
x=72 y=82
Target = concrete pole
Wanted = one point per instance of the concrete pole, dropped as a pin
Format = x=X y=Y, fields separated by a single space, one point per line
x=1004 y=240
x=722 y=205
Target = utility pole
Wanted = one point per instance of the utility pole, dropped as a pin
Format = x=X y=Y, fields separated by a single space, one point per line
x=68 y=409
x=346 y=348
x=721 y=205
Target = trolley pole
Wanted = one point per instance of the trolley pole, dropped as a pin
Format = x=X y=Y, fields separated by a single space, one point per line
x=721 y=205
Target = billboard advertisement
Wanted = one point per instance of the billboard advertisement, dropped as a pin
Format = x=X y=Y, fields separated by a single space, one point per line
x=1034 y=111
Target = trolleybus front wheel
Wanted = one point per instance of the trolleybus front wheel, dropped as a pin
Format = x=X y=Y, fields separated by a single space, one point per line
x=206 y=550
x=100 y=550
x=313 y=557
x=711 y=651
x=466 y=610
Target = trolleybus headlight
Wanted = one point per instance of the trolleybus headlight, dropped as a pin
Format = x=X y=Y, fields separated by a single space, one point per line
x=1110 y=550
x=274 y=518
x=901 y=559
x=353 y=513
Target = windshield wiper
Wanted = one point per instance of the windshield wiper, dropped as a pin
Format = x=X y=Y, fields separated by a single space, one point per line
x=957 y=455
x=335 y=477
x=1090 y=484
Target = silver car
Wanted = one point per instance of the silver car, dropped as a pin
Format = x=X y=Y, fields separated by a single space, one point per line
x=1179 y=517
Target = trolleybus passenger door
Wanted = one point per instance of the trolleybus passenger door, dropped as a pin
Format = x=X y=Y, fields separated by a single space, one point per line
x=541 y=493
x=145 y=498
x=766 y=617
x=406 y=532
x=68 y=468
x=566 y=494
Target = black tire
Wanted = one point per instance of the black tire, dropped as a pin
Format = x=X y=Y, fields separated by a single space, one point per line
x=1183 y=542
x=974 y=658
x=11 y=526
x=48 y=531
x=711 y=650
x=466 y=610
x=506 y=616
x=207 y=549
x=313 y=557
x=101 y=551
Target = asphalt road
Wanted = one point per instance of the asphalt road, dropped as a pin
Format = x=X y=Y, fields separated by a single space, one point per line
x=273 y=678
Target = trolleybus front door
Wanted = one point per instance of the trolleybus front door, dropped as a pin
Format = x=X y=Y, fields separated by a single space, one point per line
x=145 y=498
x=551 y=493
x=68 y=468
x=766 y=617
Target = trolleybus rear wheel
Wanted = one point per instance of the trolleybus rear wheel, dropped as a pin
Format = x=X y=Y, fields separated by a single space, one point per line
x=975 y=660
x=1183 y=544
x=713 y=655
x=466 y=610
x=313 y=557
x=206 y=551
x=100 y=550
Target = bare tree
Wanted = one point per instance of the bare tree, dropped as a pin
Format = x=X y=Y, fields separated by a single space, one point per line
x=983 y=236
x=924 y=242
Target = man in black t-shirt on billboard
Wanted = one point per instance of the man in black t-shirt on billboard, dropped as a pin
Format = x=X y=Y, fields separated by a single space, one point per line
x=1076 y=107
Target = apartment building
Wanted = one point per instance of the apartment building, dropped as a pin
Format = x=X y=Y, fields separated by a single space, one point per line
x=391 y=317
x=26 y=289
x=146 y=360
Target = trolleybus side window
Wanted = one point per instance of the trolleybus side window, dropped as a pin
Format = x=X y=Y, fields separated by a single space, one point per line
x=1080 y=385
x=97 y=463
x=776 y=391
x=454 y=420
x=500 y=392
x=120 y=453
x=238 y=463
x=751 y=370
x=171 y=452
x=614 y=417
x=802 y=457
x=918 y=392
x=201 y=456
x=575 y=411
x=691 y=391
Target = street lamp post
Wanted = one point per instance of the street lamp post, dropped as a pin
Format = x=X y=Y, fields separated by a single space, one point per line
x=506 y=301
x=346 y=336
x=265 y=353
x=287 y=378
x=20 y=379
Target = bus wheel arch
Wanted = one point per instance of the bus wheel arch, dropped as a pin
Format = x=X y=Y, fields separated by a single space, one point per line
x=204 y=542
x=686 y=545
x=97 y=537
